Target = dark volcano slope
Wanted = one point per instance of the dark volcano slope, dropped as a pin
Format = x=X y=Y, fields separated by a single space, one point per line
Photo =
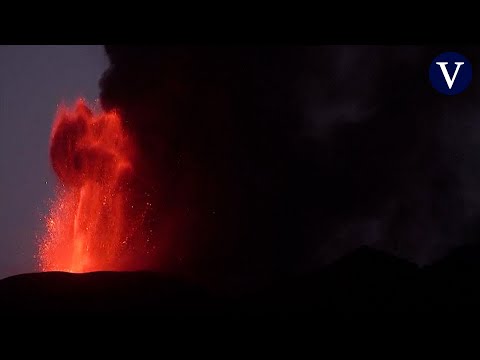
x=100 y=292
x=364 y=280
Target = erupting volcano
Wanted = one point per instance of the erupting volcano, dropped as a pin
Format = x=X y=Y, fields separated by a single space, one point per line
x=95 y=222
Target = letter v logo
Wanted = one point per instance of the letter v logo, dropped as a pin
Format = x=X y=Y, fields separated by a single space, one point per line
x=450 y=73
x=443 y=66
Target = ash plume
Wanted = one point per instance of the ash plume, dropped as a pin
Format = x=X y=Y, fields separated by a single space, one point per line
x=263 y=161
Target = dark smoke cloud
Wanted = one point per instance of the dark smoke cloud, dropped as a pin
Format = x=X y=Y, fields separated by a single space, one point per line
x=270 y=160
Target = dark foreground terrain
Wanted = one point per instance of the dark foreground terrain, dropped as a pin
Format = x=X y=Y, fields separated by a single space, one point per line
x=365 y=280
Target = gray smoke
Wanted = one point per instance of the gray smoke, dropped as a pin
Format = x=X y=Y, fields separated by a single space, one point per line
x=289 y=157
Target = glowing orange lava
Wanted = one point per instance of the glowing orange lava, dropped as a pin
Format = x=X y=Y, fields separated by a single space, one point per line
x=92 y=223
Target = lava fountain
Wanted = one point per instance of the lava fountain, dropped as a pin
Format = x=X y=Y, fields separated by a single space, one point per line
x=93 y=223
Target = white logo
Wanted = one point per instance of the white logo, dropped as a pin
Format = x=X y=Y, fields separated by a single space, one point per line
x=446 y=75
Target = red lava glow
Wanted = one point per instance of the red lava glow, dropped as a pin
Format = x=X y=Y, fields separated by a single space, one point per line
x=92 y=224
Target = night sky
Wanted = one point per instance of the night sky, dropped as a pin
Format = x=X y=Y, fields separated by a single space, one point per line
x=33 y=80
